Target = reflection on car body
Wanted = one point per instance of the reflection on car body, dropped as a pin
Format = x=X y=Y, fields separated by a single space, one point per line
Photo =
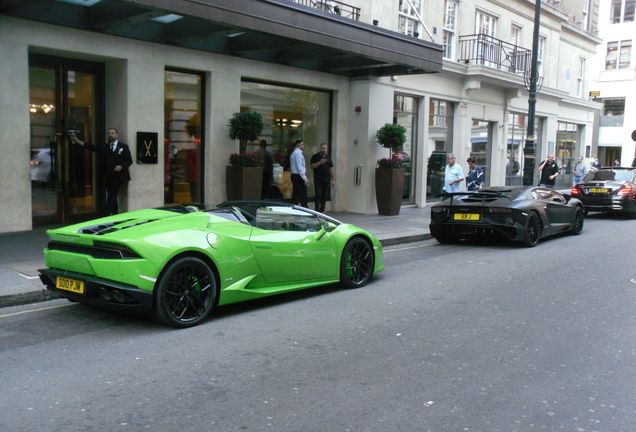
x=522 y=214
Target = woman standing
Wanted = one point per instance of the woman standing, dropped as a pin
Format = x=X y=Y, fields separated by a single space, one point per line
x=475 y=177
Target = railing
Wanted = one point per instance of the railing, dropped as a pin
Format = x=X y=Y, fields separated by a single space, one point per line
x=334 y=7
x=488 y=51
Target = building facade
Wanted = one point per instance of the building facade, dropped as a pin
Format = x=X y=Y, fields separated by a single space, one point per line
x=169 y=75
x=615 y=83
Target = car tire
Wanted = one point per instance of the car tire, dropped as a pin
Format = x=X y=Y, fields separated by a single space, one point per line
x=186 y=293
x=446 y=238
x=579 y=218
x=357 y=262
x=532 y=233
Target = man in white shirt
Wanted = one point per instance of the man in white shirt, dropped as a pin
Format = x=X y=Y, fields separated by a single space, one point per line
x=298 y=174
x=453 y=174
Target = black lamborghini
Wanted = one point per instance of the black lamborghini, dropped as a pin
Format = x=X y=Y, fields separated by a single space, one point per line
x=522 y=214
x=611 y=189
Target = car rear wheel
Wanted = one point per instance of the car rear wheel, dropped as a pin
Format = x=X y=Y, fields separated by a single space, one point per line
x=186 y=293
x=579 y=218
x=445 y=238
x=533 y=230
x=356 y=264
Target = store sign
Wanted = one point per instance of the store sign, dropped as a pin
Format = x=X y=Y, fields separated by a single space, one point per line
x=147 y=147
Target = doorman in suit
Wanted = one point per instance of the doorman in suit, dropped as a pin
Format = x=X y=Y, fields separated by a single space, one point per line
x=115 y=161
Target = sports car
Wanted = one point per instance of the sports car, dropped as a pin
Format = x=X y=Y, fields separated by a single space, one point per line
x=521 y=214
x=611 y=189
x=180 y=262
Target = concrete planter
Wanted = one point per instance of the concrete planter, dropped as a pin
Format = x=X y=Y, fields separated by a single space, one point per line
x=243 y=183
x=389 y=187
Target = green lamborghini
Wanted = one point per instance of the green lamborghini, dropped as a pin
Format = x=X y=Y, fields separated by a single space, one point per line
x=180 y=262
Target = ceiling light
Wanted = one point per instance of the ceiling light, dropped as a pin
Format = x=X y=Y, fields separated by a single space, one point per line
x=166 y=19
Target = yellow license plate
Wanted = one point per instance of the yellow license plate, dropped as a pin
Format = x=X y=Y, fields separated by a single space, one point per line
x=66 y=284
x=466 y=216
x=598 y=190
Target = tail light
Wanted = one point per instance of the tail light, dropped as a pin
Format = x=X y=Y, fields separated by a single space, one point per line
x=625 y=190
x=574 y=191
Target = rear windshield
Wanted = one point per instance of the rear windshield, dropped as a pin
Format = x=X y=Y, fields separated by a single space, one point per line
x=602 y=175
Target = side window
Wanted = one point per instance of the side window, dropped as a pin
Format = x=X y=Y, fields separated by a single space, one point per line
x=280 y=218
x=542 y=194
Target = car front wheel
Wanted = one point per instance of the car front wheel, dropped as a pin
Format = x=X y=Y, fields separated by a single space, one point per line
x=185 y=293
x=356 y=264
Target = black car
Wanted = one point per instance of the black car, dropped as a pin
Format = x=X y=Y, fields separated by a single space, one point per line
x=609 y=189
x=523 y=214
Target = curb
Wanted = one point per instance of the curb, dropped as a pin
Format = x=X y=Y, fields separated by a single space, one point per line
x=405 y=239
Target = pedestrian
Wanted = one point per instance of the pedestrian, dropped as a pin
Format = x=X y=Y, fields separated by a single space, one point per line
x=549 y=172
x=267 y=161
x=475 y=178
x=512 y=166
x=453 y=175
x=596 y=164
x=580 y=170
x=323 y=176
x=298 y=174
x=617 y=162
x=115 y=161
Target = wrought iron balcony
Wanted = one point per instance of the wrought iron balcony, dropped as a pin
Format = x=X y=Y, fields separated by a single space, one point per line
x=488 y=51
x=334 y=7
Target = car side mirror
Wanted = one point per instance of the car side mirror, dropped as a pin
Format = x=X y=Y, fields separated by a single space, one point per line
x=327 y=226
x=567 y=197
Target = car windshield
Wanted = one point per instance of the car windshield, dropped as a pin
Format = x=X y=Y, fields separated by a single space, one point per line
x=606 y=174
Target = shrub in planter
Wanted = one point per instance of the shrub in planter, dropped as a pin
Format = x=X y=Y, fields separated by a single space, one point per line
x=389 y=175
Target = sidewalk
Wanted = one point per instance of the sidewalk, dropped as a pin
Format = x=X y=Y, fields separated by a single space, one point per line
x=21 y=253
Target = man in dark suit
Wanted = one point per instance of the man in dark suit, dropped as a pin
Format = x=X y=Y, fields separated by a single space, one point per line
x=115 y=161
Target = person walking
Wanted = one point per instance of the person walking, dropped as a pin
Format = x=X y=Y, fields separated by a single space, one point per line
x=549 y=172
x=580 y=170
x=115 y=163
x=475 y=178
x=298 y=174
x=324 y=179
x=267 y=161
x=453 y=174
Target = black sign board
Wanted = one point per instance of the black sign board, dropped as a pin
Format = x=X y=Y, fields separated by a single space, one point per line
x=147 y=147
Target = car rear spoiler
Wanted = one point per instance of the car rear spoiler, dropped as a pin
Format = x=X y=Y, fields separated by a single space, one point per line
x=483 y=195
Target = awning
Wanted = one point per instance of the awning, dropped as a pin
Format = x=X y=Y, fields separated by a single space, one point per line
x=273 y=31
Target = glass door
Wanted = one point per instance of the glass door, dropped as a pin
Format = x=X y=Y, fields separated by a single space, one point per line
x=64 y=97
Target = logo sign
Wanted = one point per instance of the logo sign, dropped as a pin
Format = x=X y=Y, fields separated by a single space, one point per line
x=147 y=147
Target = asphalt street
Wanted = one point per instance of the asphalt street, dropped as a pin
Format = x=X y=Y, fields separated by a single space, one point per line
x=466 y=337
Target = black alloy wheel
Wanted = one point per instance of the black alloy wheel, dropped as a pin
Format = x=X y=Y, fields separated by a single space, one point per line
x=533 y=230
x=356 y=265
x=186 y=293
x=579 y=218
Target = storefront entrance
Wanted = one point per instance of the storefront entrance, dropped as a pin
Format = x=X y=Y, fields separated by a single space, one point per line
x=64 y=96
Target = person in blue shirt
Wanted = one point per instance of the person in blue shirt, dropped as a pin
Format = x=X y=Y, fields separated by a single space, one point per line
x=453 y=175
x=475 y=179
x=298 y=174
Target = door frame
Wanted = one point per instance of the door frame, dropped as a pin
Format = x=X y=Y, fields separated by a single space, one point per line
x=61 y=66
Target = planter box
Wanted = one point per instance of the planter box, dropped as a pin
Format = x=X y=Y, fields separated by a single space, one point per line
x=389 y=187
x=243 y=183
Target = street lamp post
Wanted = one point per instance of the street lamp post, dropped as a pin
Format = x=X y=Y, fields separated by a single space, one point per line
x=530 y=149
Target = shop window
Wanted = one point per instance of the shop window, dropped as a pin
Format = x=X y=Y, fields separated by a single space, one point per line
x=289 y=114
x=440 y=130
x=405 y=112
x=183 y=137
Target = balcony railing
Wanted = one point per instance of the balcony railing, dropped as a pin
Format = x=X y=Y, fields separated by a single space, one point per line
x=334 y=7
x=488 y=51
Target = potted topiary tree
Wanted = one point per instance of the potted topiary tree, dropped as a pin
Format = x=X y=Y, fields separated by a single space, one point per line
x=389 y=174
x=243 y=176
